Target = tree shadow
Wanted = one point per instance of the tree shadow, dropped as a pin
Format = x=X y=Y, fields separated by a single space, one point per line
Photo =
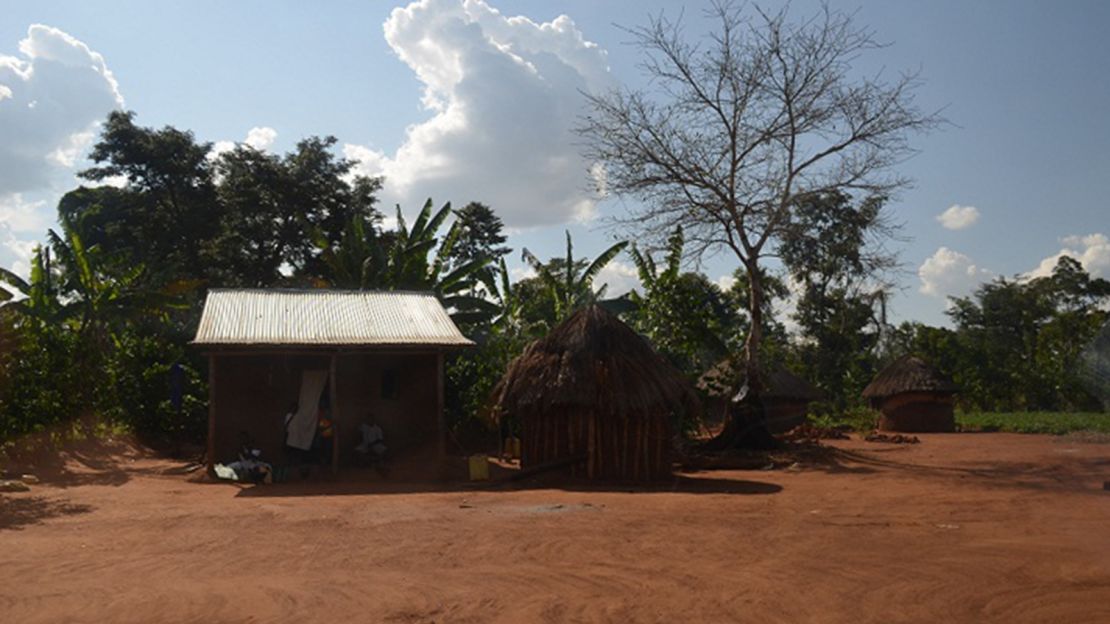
x=1031 y=475
x=17 y=512
x=81 y=462
x=790 y=457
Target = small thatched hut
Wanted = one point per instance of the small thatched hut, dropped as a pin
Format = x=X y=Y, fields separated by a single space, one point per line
x=594 y=388
x=785 y=399
x=912 y=397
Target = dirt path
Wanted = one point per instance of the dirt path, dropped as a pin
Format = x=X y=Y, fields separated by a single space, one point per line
x=960 y=528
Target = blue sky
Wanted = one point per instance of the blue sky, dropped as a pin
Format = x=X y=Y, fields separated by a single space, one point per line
x=1026 y=86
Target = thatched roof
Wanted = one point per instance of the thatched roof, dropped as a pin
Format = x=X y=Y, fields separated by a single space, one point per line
x=725 y=379
x=593 y=361
x=908 y=374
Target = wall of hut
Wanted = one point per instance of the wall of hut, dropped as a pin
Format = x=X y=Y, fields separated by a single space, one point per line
x=916 y=412
x=252 y=393
x=620 y=447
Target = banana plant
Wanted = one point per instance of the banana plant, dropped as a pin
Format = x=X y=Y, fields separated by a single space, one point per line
x=404 y=260
x=99 y=303
x=568 y=287
x=39 y=298
x=649 y=273
x=359 y=260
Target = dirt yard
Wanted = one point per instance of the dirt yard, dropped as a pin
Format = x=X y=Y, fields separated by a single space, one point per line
x=960 y=528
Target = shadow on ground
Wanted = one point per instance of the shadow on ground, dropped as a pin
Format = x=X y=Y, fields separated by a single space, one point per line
x=91 y=461
x=365 y=483
x=19 y=511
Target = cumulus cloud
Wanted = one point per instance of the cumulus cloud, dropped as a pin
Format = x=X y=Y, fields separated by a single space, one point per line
x=260 y=138
x=17 y=251
x=504 y=94
x=949 y=273
x=52 y=97
x=620 y=277
x=521 y=273
x=959 y=217
x=1092 y=251
x=725 y=282
x=22 y=215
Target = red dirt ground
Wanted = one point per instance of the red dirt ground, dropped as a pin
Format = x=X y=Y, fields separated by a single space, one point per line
x=959 y=528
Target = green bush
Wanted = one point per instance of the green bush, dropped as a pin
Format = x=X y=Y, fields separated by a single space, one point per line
x=1034 y=422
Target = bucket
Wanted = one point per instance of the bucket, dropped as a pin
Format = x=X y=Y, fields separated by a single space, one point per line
x=479 y=467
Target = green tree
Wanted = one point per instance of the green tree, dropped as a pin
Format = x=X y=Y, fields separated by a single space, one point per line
x=831 y=255
x=481 y=235
x=242 y=218
x=686 y=316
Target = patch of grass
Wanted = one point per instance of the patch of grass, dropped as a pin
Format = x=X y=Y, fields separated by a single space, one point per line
x=861 y=419
x=1057 y=423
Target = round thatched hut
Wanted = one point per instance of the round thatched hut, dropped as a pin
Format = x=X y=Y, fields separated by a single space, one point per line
x=594 y=389
x=912 y=397
x=785 y=400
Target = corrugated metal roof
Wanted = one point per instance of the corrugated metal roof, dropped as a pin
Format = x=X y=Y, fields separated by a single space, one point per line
x=325 y=317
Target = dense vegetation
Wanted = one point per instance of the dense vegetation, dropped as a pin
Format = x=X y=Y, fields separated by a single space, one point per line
x=762 y=144
x=100 y=326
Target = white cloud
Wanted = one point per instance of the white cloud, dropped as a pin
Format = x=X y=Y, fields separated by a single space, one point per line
x=949 y=273
x=261 y=138
x=20 y=215
x=521 y=273
x=959 y=217
x=725 y=282
x=16 y=251
x=504 y=96
x=52 y=98
x=1091 y=251
x=621 y=277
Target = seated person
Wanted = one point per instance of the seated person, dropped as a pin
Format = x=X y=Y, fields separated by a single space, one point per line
x=373 y=440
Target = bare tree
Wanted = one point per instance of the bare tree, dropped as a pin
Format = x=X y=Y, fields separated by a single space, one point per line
x=735 y=129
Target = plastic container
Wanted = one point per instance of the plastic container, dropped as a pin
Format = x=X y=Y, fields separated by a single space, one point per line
x=479 y=467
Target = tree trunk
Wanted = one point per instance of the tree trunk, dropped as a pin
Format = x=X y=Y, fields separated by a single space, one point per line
x=746 y=427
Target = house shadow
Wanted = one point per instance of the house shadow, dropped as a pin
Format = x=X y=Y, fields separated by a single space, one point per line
x=17 y=512
x=365 y=483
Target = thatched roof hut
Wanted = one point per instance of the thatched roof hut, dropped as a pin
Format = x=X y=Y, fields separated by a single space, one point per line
x=723 y=380
x=785 y=398
x=913 y=396
x=596 y=389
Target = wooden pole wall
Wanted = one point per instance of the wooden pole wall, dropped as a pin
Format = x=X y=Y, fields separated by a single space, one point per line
x=334 y=416
x=441 y=417
x=211 y=414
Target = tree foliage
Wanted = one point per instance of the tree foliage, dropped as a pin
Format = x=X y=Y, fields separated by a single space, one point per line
x=1019 y=344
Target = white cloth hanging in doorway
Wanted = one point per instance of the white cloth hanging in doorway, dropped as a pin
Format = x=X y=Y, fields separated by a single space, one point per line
x=302 y=427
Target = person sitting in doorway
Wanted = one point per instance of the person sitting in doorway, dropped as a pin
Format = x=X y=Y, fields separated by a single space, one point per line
x=372 y=447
